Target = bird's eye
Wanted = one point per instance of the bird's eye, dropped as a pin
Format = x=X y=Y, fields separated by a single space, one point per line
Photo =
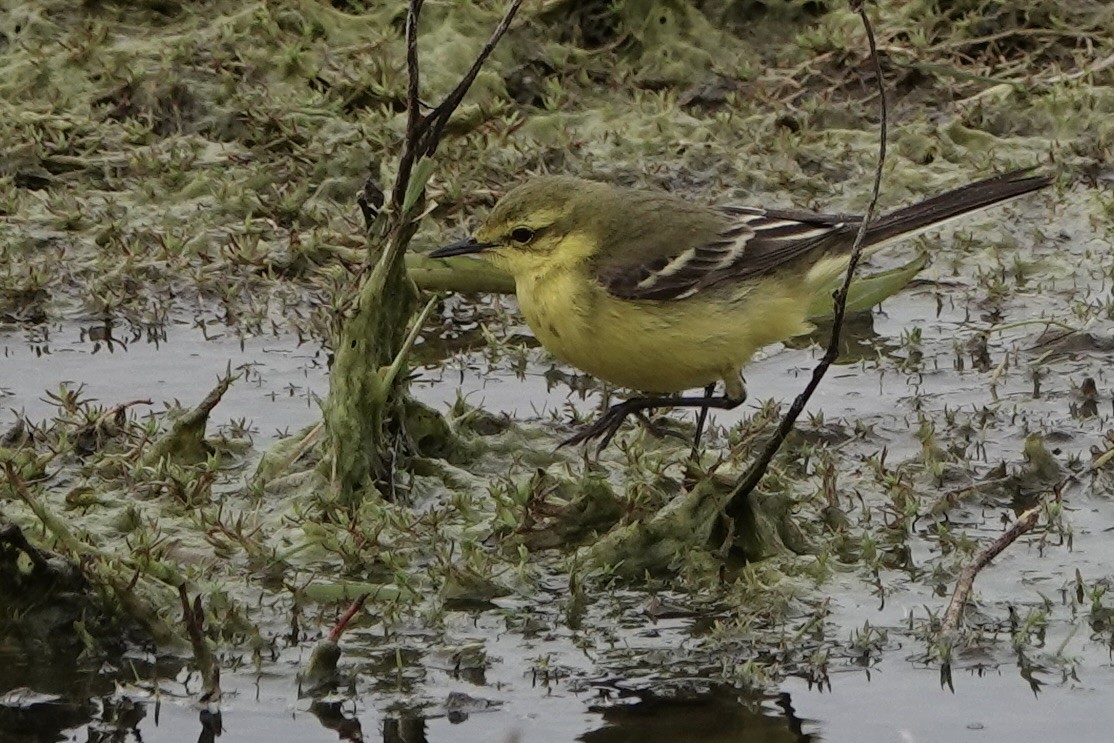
x=522 y=235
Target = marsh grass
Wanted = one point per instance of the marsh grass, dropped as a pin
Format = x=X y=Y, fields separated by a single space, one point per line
x=201 y=161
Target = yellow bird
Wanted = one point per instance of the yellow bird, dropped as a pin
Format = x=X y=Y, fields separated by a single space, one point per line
x=661 y=294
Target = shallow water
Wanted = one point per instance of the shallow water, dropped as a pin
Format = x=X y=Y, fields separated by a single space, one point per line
x=898 y=698
x=158 y=153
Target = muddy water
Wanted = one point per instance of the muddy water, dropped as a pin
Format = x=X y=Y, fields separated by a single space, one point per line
x=518 y=696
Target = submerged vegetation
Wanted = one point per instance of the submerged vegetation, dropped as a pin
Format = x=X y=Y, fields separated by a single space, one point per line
x=201 y=162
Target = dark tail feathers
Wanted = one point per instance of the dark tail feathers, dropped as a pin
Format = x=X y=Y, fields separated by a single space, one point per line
x=970 y=198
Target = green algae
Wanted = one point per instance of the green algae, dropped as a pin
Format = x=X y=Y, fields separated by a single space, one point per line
x=154 y=150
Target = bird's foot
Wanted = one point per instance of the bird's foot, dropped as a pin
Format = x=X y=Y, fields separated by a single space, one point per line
x=605 y=427
x=658 y=430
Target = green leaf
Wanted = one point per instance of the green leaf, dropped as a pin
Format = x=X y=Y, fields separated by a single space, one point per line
x=346 y=590
x=419 y=177
x=866 y=291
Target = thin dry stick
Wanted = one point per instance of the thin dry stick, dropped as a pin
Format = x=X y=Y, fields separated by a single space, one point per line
x=413 y=114
x=736 y=506
x=1024 y=523
x=440 y=115
x=423 y=133
x=966 y=582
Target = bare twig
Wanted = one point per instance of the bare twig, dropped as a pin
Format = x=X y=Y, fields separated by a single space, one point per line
x=423 y=133
x=414 y=119
x=1025 y=522
x=413 y=115
x=440 y=116
x=966 y=582
x=736 y=505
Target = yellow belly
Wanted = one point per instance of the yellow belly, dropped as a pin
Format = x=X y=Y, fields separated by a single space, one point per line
x=654 y=346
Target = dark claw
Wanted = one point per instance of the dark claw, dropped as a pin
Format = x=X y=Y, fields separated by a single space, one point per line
x=607 y=425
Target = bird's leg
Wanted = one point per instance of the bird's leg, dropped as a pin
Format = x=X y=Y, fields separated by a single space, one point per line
x=735 y=389
x=701 y=417
x=608 y=424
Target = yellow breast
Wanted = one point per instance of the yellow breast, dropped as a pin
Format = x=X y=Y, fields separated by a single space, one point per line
x=655 y=346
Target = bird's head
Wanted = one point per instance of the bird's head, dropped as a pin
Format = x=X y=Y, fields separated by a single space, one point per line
x=548 y=222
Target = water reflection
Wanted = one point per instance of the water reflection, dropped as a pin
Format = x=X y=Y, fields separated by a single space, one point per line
x=332 y=716
x=404 y=730
x=41 y=701
x=858 y=340
x=718 y=717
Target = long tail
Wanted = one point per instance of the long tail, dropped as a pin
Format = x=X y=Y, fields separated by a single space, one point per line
x=926 y=215
x=933 y=212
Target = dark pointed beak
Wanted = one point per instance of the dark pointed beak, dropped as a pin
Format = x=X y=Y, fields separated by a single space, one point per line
x=467 y=246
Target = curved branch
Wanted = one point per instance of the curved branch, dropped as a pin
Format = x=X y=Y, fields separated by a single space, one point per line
x=736 y=505
x=966 y=583
x=435 y=123
x=423 y=133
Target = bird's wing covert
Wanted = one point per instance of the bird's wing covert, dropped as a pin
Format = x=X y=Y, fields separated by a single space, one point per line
x=753 y=242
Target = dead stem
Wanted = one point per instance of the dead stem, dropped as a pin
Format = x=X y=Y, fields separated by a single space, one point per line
x=342 y=623
x=736 y=504
x=193 y=616
x=362 y=405
x=966 y=582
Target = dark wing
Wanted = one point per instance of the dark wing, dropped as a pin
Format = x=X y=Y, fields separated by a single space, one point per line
x=753 y=242
x=743 y=242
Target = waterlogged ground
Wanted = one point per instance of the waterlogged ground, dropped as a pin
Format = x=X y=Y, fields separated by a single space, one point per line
x=538 y=677
x=177 y=206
